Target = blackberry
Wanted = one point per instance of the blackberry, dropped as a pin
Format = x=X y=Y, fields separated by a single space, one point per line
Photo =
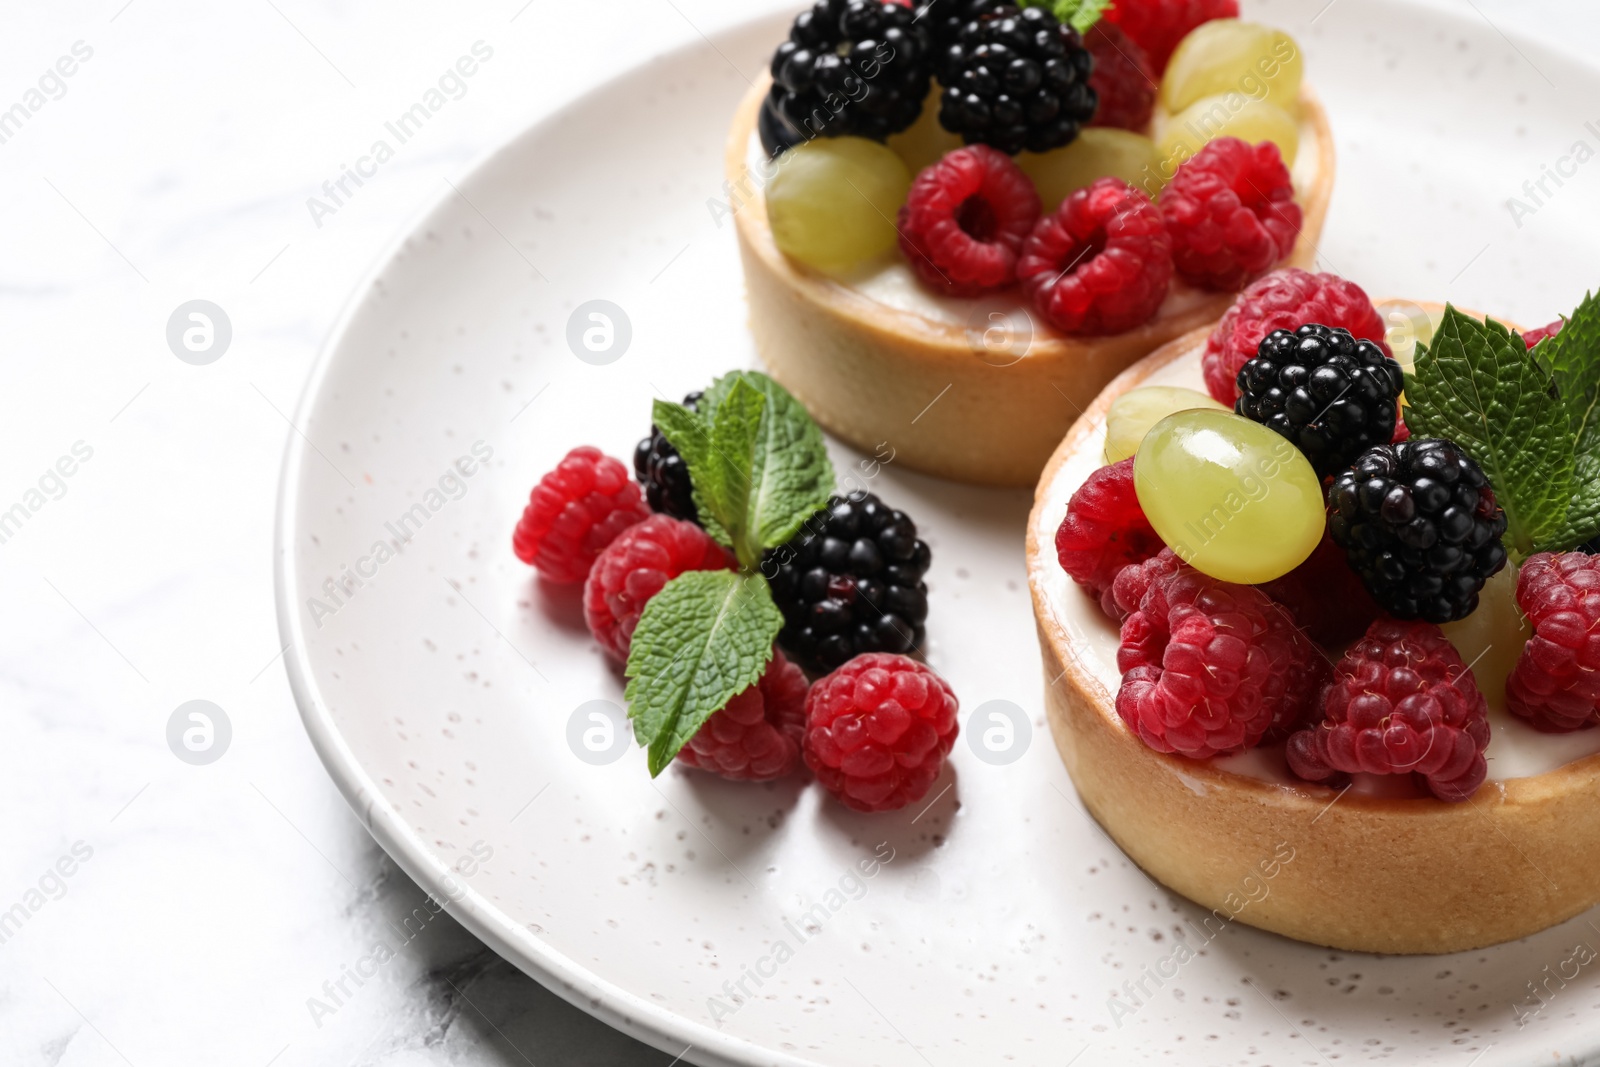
x=849 y=582
x=1331 y=395
x=856 y=67
x=664 y=474
x=946 y=19
x=1419 y=524
x=1016 y=79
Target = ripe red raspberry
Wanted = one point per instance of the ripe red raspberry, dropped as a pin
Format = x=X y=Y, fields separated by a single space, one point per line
x=635 y=567
x=1105 y=530
x=1402 y=701
x=576 y=511
x=964 y=221
x=1122 y=78
x=1556 y=682
x=1208 y=667
x=878 y=730
x=1539 y=333
x=1402 y=432
x=756 y=735
x=1230 y=210
x=1325 y=596
x=1158 y=25
x=1285 y=299
x=1101 y=264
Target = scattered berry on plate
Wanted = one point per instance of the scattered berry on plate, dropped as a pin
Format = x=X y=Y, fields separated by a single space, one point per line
x=635 y=567
x=1158 y=25
x=965 y=219
x=1556 y=682
x=1283 y=300
x=1104 y=531
x=1123 y=80
x=878 y=730
x=574 y=512
x=850 y=582
x=1207 y=667
x=1016 y=79
x=1326 y=597
x=1101 y=264
x=850 y=67
x=664 y=475
x=1334 y=397
x=1402 y=702
x=831 y=205
x=1419 y=523
x=757 y=735
x=1539 y=333
x=1231 y=213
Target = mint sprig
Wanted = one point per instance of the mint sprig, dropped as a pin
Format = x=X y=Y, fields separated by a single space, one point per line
x=1573 y=359
x=759 y=469
x=1477 y=385
x=1079 y=14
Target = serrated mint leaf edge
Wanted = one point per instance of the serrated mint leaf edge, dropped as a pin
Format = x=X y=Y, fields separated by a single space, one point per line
x=1532 y=483
x=1573 y=359
x=737 y=598
x=735 y=439
x=690 y=433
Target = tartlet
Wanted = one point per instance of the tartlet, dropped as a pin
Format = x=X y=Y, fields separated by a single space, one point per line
x=1351 y=870
x=924 y=379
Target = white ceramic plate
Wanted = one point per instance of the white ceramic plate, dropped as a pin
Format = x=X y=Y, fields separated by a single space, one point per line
x=440 y=694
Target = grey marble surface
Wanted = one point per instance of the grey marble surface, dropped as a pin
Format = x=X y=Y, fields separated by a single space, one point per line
x=154 y=912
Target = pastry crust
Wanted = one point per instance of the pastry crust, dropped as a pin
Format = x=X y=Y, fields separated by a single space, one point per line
x=871 y=374
x=1366 y=873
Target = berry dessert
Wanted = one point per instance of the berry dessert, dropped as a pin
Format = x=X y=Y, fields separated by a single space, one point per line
x=745 y=568
x=960 y=219
x=1276 y=625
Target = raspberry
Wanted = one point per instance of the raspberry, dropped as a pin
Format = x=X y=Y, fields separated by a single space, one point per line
x=1283 y=300
x=574 y=512
x=1331 y=395
x=1539 y=333
x=1325 y=596
x=635 y=567
x=1158 y=25
x=1104 y=531
x=1419 y=523
x=1208 y=667
x=1122 y=78
x=1402 y=701
x=1556 y=684
x=1101 y=264
x=965 y=219
x=1230 y=210
x=878 y=730
x=756 y=735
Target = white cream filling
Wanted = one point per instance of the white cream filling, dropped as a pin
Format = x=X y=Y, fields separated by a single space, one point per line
x=1515 y=750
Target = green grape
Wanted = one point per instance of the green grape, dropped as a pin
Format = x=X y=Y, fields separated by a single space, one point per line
x=1491 y=639
x=1405 y=325
x=1229 y=56
x=1099 y=151
x=925 y=142
x=1229 y=496
x=1133 y=413
x=1206 y=119
x=833 y=201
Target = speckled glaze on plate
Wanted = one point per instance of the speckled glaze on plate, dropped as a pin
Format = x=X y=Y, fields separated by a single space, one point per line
x=763 y=924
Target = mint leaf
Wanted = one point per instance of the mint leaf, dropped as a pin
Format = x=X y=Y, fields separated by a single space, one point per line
x=1573 y=359
x=1079 y=14
x=791 y=475
x=1477 y=385
x=690 y=433
x=703 y=639
x=735 y=433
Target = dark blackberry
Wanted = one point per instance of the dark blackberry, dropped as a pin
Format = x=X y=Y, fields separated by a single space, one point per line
x=1016 y=79
x=850 y=581
x=856 y=67
x=1419 y=524
x=664 y=474
x=1332 y=396
x=946 y=19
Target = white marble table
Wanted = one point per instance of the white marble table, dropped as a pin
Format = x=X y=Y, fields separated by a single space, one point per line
x=154 y=912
